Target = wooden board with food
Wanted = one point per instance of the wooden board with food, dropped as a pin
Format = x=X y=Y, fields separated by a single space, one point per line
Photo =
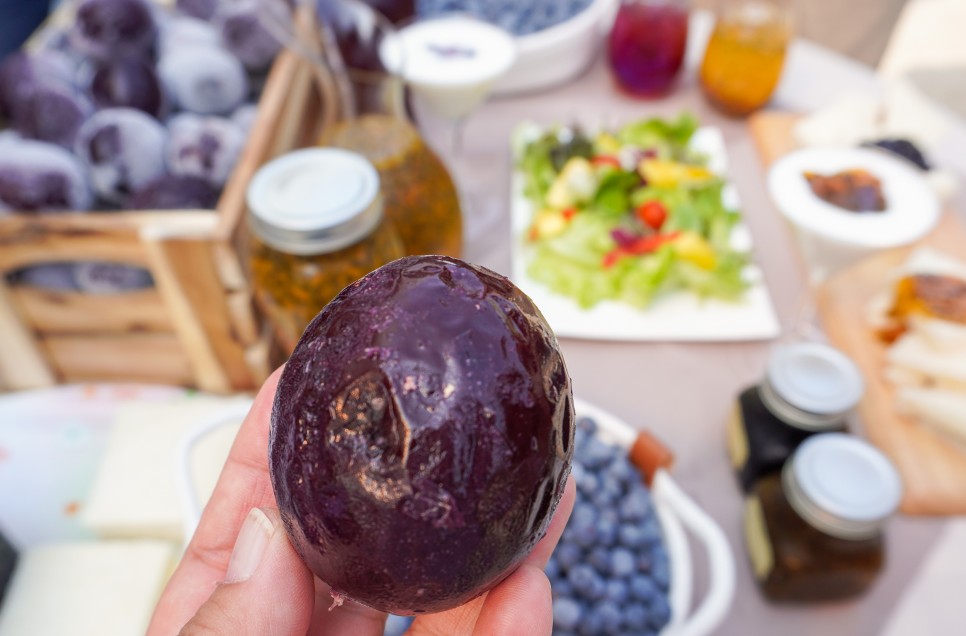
x=900 y=316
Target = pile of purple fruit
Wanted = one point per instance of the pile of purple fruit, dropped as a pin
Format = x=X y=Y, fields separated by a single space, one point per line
x=131 y=106
x=610 y=573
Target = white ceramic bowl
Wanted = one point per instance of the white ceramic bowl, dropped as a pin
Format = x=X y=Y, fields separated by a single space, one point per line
x=558 y=54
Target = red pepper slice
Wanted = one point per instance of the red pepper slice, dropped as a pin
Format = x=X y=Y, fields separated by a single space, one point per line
x=568 y=213
x=606 y=160
x=652 y=214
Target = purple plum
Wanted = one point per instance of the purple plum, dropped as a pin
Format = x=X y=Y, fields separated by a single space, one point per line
x=174 y=192
x=207 y=80
x=421 y=435
x=110 y=278
x=205 y=147
x=202 y=9
x=37 y=176
x=124 y=148
x=128 y=82
x=244 y=32
x=52 y=113
x=108 y=29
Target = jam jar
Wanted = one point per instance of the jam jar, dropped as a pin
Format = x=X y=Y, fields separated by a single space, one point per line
x=814 y=531
x=808 y=388
x=316 y=224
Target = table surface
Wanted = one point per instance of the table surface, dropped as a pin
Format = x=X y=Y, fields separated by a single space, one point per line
x=683 y=392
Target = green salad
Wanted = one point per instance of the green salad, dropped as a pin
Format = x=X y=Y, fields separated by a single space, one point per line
x=629 y=215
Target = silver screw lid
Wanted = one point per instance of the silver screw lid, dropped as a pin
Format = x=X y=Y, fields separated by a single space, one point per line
x=314 y=201
x=815 y=379
x=842 y=485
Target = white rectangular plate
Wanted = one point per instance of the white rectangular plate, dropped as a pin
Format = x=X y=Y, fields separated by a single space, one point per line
x=681 y=316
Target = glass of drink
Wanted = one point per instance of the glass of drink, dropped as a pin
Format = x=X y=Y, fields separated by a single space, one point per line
x=647 y=44
x=745 y=54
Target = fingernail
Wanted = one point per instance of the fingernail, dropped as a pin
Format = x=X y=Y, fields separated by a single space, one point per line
x=253 y=540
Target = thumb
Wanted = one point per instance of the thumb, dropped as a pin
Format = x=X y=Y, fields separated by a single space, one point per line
x=267 y=589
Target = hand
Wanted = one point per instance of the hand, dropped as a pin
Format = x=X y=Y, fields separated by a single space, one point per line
x=240 y=575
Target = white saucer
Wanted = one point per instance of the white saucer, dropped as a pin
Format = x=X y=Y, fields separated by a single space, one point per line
x=912 y=207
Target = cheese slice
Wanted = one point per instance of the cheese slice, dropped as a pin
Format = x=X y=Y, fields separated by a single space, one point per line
x=944 y=411
x=87 y=589
x=136 y=491
x=915 y=352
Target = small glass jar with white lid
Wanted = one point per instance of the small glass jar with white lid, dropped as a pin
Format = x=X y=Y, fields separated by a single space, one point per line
x=808 y=388
x=316 y=224
x=815 y=531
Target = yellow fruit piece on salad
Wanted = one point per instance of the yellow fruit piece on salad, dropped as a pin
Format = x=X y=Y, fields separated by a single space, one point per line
x=693 y=247
x=663 y=173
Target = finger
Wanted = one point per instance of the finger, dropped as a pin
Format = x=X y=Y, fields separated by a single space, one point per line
x=336 y=618
x=267 y=589
x=244 y=484
x=521 y=604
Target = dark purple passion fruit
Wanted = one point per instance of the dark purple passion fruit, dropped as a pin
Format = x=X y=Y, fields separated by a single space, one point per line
x=422 y=434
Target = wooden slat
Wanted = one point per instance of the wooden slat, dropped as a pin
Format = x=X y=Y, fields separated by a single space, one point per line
x=196 y=301
x=22 y=361
x=151 y=358
x=53 y=312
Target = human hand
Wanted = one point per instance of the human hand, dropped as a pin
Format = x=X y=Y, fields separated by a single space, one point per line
x=240 y=575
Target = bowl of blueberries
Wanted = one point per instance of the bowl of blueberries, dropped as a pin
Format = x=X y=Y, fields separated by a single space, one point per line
x=556 y=39
x=624 y=564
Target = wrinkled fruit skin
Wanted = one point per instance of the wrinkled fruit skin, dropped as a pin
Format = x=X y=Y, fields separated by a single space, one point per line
x=422 y=435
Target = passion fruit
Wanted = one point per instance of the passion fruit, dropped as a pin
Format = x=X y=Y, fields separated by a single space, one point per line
x=422 y=434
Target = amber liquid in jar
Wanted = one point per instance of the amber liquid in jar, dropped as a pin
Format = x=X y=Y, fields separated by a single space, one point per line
x=794 y=561
x=744 y=57
x=293 y=288
x=418 y=194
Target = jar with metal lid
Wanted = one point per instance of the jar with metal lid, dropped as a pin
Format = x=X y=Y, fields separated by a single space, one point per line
x=808 y=388
x=814 y=531
x=316 y=225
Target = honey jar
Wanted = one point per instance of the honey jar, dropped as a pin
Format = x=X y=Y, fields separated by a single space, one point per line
x=814 y=531
x=316 y=224
x=808 y=388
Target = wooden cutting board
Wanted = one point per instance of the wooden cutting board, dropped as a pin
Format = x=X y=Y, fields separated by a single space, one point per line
x=933 y=470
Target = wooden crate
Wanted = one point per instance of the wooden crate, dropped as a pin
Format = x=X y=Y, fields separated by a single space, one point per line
x=198 y=326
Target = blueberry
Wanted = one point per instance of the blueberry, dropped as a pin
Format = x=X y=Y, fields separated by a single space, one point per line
x=568 y=555
x=129 y=82
x=561 y=587
x=204 y=9
x=36 y=176
x=905 y=149
x=622 y=562
x=636 y=617
x=606 y=530
x=643 y=588
x=610 y=617
x=631 y=536
x=52 y=113
x=596 y=454
x=245 y=116
x=186 y=31
x=616 y=591
x=397 y=625
x=592 y=624
x=125 y=151
x=110 y=29
x=203 y=79
x=587 y=424
x=566 y=613
x=587 y=482
x=599 y=558
x=635 y=506
x=659 y=612
x=552 y=569
x=21 y=74
x=661 y=573
x=204 y=147
x=586 y=582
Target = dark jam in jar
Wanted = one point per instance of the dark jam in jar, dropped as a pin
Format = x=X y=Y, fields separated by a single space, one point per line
x=814 y=532
x=809 y=388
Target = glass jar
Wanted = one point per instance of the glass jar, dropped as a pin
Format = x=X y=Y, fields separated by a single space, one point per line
x=419 y=194
x=647 y=45
x=316 y=225
x=808 y=388
x=814 y=532
x=745 y=54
